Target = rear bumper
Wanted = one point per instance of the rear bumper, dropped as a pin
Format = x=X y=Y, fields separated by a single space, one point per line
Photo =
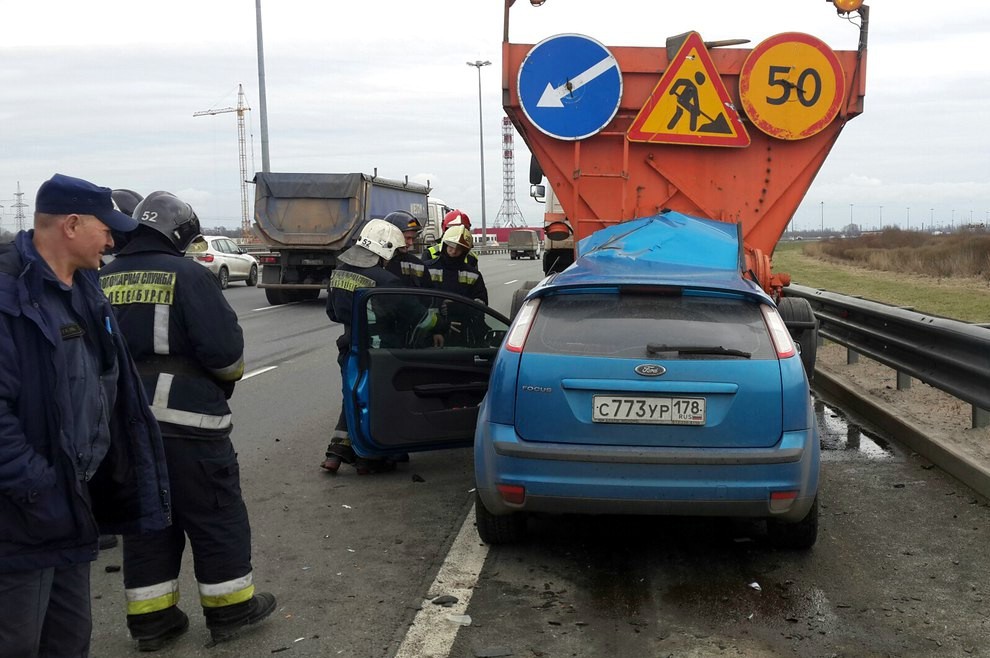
x=562 y=478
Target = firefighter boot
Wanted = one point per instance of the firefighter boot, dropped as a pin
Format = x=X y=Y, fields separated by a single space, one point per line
x=156 y=630
x=227 y=621
x=337 y=454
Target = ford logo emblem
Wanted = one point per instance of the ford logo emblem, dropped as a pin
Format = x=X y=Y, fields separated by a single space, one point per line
x=650 y=370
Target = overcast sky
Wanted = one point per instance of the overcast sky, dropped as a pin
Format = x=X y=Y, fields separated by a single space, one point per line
x=106 y=90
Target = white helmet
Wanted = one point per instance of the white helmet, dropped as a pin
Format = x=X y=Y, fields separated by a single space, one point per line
x=381 y=238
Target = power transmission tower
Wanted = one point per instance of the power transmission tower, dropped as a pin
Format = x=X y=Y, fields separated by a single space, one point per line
x=19 y=206
x=509 y=210
x=241 y=108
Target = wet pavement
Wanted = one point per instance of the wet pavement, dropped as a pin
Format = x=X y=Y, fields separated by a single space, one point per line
x=842 y=438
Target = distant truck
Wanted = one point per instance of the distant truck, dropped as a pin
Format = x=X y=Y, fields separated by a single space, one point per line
x=307 y=220
x=524 y=243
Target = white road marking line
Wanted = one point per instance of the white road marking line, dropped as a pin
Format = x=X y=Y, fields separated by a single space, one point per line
x=271 y=308
x=259 y=371
x=431 y=633
x=508 y=282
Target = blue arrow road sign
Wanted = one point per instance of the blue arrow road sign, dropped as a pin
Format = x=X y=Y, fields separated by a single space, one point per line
x=570 y=86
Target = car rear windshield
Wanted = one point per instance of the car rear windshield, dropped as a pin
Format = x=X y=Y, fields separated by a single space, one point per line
x=643 y=325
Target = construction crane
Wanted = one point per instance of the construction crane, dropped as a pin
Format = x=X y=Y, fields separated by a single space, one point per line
x=241 y=108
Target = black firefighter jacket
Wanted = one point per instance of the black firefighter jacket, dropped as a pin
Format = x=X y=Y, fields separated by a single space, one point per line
x=183 y=334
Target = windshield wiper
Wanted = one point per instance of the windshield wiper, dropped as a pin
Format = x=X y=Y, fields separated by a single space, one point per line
x=654 y=348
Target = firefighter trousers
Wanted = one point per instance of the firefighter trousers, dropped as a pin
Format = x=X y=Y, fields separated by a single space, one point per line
x=207 y=507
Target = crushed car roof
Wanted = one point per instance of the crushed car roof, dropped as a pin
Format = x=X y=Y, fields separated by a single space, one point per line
x=666 y=249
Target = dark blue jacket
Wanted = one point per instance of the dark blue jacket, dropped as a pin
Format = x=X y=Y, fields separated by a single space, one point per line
x=46 y=519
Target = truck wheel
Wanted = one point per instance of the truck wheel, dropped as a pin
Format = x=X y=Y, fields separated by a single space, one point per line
x=517 y=301
x=275 y=296
x=800 y=320
x=519 y=296
x=252 y=279
x=305 y=295
x=801 y=535
x=494 y=530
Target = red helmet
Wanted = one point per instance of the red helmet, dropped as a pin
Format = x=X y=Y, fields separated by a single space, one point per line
x=456 y=218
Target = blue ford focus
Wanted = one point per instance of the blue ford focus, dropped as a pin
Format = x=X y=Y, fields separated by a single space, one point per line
x=650 y=377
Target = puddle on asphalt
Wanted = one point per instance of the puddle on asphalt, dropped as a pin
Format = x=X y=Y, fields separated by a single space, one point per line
x=841 y=437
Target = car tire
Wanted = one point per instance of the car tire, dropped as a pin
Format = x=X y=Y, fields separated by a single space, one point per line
x=795 y=536
x=496 y=530
x=795 y=309
x=252 y=279
x=223 y=276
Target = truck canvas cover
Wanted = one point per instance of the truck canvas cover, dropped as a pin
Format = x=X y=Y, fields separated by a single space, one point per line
x=326 y=210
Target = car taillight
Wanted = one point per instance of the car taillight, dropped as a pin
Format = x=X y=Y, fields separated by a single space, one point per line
x=206 y=258
x=520 y=328
x=779 y=334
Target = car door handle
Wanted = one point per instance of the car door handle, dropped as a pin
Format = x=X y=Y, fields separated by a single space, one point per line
x=482 y=360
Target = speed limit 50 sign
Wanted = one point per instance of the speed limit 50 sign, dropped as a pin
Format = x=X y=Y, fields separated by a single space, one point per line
x=791 y=86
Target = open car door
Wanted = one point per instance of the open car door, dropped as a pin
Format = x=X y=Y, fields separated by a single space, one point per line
x=417 y=369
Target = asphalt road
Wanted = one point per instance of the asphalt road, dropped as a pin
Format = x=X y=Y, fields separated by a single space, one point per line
x=900 y=568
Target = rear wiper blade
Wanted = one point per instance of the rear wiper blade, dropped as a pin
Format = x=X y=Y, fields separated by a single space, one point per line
x=654 y=348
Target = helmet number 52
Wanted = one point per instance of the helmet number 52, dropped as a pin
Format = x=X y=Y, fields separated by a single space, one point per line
x=149 y=216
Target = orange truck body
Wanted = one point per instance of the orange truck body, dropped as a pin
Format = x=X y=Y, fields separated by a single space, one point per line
x=607 y=178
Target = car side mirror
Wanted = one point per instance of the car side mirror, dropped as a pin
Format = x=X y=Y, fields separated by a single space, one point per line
x=538 y=192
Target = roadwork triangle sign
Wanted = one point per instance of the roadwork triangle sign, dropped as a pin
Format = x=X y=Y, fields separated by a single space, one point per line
x=689 y=105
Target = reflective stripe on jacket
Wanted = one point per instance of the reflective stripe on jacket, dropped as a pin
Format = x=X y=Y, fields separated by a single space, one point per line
x=183 y=334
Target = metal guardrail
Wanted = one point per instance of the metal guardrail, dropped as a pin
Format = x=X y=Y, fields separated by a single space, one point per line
x=948 y=354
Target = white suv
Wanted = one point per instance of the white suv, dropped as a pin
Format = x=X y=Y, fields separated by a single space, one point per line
x=225 y=259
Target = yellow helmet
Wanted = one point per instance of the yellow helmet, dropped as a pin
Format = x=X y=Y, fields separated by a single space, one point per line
x=458 y=236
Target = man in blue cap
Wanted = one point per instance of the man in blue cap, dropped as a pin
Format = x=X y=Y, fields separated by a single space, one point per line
x=80 y=450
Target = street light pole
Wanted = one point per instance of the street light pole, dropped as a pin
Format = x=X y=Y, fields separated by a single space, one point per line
x=823 y=218
x=262 y=95
x=481 y=141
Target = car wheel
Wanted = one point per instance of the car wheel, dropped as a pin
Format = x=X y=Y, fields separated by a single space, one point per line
x=801 y=535
x=494 y=530
x=796 y=312
x=224 y=277
x=252 y=279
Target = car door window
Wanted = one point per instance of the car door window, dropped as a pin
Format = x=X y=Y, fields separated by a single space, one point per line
x=413 y=322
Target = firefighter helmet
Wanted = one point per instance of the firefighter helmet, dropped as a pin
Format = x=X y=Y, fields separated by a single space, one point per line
x=126 y=200
x=458 y=236
x=381 y=238
x=169 y=215
x=456 y=218
x=404 y=221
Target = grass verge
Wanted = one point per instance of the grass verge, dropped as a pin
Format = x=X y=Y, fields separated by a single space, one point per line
x=962 y=299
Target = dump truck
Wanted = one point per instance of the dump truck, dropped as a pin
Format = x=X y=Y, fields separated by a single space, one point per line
x=524 y=243
x=700 y=127
x=307 y=220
